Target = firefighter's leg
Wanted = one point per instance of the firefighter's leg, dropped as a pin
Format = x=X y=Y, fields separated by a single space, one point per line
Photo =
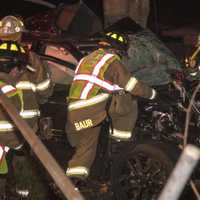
x=9 y=139
x=85 y=142
x=122 y=125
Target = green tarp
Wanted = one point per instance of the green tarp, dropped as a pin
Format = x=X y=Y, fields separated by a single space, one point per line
x=149 y=59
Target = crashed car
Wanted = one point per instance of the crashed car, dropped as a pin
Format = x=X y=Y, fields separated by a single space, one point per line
x=147 y=57
x=80 y=33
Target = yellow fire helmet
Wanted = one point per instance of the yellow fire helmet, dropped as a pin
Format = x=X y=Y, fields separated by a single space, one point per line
x=12 y=54
x=11 y=28
x=116 y=39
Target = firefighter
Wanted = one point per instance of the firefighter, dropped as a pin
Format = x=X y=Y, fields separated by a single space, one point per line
x=13 y=61
x=28 y=77
x=101 y=87
x=37 y=77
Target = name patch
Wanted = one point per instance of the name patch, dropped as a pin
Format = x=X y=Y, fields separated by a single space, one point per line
x=83 y=124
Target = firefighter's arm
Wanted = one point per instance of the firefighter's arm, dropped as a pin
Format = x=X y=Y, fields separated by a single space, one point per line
x=40 y=76
x=118 y=74
x=28 y=111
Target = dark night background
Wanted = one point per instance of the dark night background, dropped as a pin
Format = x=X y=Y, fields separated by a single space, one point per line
x=167 y=13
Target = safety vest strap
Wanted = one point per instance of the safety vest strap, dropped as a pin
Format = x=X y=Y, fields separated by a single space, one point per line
x=89 y=75
x=3 y=150
x=95 y=80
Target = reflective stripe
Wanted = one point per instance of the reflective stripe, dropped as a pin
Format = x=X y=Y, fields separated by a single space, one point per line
x=131 y=84
x=26 y=85
x=120 y=135
x=22 y=193
x=21 y=48
x=153 y=94
x=3 y=149
x=93 y=77
x=14 y=47
x=77 y=68
x=26 y=114
x=86 y=90
x=8 y=88
x=101 y=64
x=6 y=126
x=19 y=147
x=1 y=152
x=30 y=68
x=98 y=82
x=193 y=73
x=43 y=85
x=4 y=46
x=77 y=171
x=6 y=149
x=89 y=102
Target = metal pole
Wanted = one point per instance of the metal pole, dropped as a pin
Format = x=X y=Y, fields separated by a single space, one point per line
x=62 y=181
x=181 y=173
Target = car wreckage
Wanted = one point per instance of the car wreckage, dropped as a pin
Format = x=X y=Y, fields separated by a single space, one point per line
x=135 y=170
